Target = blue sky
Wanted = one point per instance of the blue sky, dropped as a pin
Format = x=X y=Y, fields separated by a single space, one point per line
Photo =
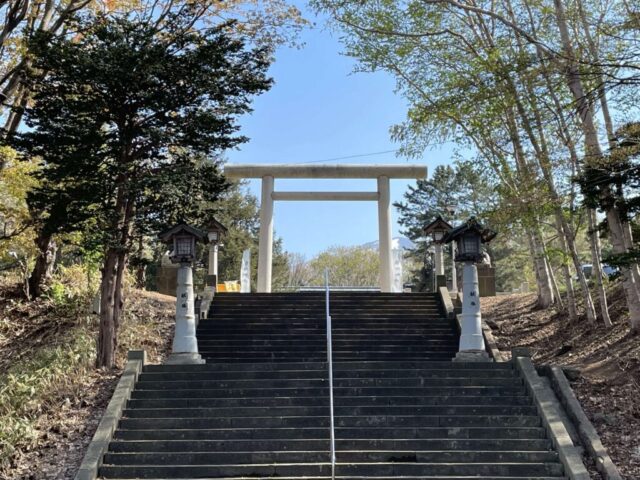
x=318 y=109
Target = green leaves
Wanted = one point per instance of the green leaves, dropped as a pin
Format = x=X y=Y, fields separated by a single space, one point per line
x=131 y=112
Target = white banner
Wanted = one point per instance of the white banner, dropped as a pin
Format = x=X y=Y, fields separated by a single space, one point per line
x=397 y=255
x=245 y=272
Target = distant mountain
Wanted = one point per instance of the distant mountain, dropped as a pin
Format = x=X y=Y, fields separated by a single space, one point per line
x=396 y=242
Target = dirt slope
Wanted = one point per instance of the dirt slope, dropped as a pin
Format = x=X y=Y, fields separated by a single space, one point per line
x=608 y=359
x=69 y=405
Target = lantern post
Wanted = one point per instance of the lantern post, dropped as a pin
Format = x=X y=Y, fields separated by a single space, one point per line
x=468 y=238
x=182 y=238
x=451 y=210
x=438 y=229
x=215 y=233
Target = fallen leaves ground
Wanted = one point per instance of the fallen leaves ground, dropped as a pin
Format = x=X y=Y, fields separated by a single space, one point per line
x=608 y=359
x=66 y=425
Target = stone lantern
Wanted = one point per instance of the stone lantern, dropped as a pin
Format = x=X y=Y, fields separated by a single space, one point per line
x=182 y=238
x=451 y=211
x=215 y=233
x=438 y=229
x=468 y=238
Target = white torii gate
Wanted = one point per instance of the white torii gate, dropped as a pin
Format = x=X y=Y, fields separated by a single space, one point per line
x=268 y=174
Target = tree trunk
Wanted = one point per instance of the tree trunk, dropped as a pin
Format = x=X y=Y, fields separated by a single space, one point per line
x=596 y=261
x=43 y=268
x=543 y=281
x=15 y=116
x=118 y=296
x=107 y=334
x=635 y=269
x=554 y=284
x=141 y=276
x=567 y=228
x=593 y=157
x=566 y=271
x=628 y=283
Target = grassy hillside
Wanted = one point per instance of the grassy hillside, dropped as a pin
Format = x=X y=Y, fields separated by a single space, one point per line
x=51 y=397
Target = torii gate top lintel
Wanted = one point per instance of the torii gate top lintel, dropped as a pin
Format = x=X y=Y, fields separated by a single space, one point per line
x=324 y=171
x=383 y=173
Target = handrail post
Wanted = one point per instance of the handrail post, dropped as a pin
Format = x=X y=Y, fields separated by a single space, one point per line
x=330 y=367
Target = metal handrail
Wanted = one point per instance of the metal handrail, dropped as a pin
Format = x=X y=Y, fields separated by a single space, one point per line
x=330 y=367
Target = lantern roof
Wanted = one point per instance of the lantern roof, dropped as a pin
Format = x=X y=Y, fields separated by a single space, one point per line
x=439 y=224
x=471 y=225
x=214 y=225
x=182 y=229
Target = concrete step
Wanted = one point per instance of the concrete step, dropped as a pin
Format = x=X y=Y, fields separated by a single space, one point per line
x=343 y=456
x=338 y=332
x=435 y=334
x=316 y=355
x=340 y=374
x=342 y=433
x=301 y=343
x=404 y=477
x=393 y=469
x=318 y=322
x=416 y=401
x=323 y=421
x=217 y=348
x=338 y=356
x=370 y=366
x=322 y=444
x=323 y=392
x=148 y=383
x=399 y=312
x=322 y=410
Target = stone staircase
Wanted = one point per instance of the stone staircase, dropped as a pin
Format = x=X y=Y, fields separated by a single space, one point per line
x=259 y=407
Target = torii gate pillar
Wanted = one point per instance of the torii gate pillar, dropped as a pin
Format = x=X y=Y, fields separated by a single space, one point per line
x=268 y=173
x=384 y=234
x=265 y=245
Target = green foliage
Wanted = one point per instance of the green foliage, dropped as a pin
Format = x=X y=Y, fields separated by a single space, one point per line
x=29 y=386
x=72 y=287
x=459 y=186
x=16 y=180
x=105 y=129
x=348 y=267
x=616 y=181
x=238 y=211
x=51 y=372
x=129 y=118
x=56 y=293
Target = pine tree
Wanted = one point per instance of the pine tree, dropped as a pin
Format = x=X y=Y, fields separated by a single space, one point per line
x=124 y=120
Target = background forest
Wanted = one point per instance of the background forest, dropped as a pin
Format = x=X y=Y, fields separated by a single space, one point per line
x=541 y=97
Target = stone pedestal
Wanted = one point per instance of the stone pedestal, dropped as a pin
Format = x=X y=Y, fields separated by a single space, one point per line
x=472 y=356
x=184 y=359
x=185 y=343
x=471 y=339
x=487 y=280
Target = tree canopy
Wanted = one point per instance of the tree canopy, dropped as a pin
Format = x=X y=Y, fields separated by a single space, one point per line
x=127 y=120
